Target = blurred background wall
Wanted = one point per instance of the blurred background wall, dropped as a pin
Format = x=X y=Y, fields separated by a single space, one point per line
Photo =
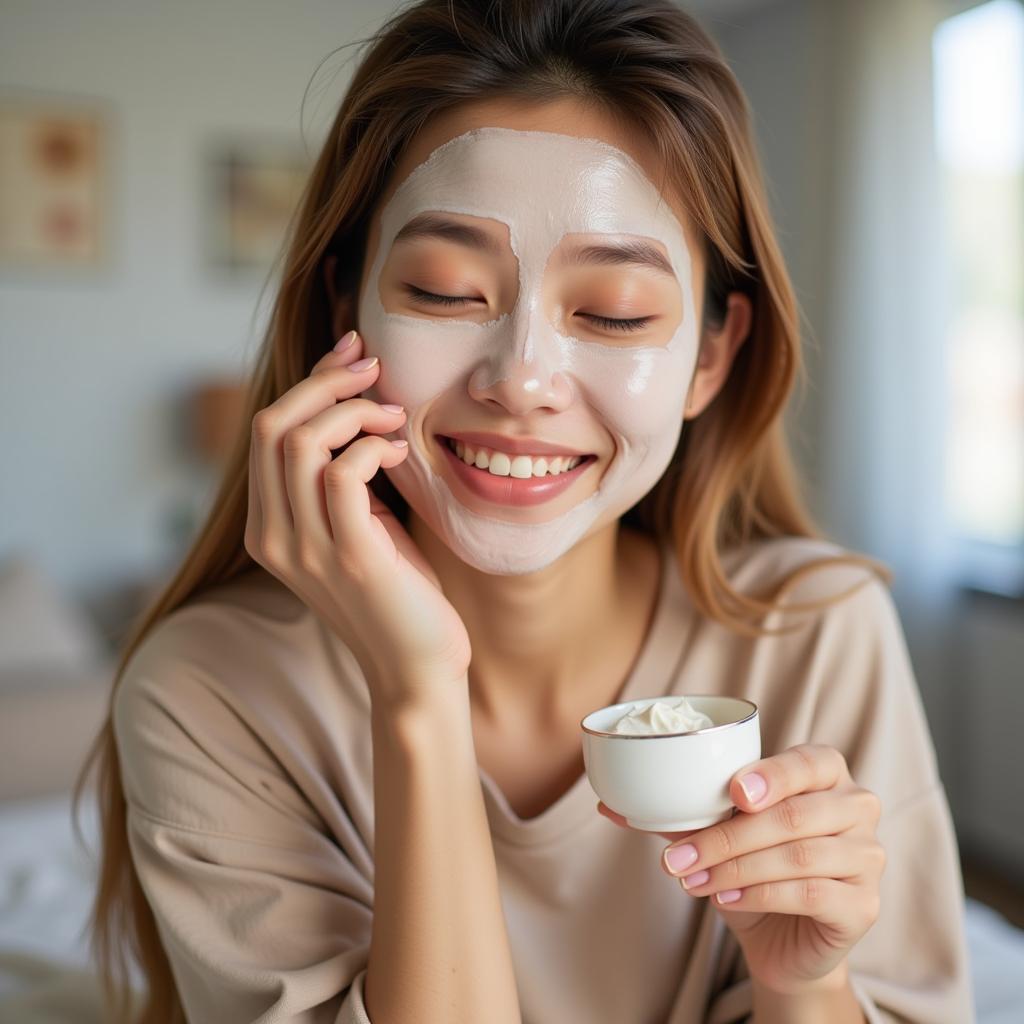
x=109 y=351
x=100 y=360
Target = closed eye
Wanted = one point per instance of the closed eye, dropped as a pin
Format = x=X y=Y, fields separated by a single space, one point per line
x=439 y=300
x=633 y=324
x=637 y=323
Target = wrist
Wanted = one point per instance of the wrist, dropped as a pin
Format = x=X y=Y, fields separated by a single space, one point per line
x=426 y=710
x=398 y=696
x=836 y=980
x=828 y=998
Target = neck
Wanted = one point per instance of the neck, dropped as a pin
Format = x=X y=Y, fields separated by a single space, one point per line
x=546 y=642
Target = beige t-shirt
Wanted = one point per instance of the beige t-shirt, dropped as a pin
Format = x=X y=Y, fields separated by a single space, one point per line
x=243 y=729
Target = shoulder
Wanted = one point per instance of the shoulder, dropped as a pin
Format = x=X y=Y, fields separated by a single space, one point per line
x=218 y=714
x=235 y=707
x=218 y=634
x=244 y=664
x=839 y=674
x=834 y=616
x=833 y=626
x=811 y=570
x=248 y=604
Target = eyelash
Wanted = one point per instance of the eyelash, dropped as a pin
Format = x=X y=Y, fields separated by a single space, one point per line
x=634 y=324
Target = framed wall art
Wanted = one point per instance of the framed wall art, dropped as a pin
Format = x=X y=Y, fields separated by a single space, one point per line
x=54 y=163
x=252 y=188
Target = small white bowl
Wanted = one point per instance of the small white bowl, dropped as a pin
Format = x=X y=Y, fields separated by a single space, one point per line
x=671 y=782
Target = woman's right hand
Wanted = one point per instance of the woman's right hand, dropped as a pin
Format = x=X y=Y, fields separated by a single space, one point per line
x=315 y=524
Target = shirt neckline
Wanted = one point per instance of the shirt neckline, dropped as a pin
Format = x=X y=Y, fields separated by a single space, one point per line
x=652 y=672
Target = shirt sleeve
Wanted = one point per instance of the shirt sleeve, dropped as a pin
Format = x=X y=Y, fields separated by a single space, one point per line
x=911 y=967
x=262 y=915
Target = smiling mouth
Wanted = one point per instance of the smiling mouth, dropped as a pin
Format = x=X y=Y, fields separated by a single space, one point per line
x=509 y=480
x=517 y=467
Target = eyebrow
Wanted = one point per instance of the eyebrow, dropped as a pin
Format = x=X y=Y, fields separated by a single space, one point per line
x=630 y=253
x=431 y=225
x=633 y=253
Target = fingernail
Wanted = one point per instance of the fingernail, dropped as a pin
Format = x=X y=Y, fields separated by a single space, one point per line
x=394 y=408
x=399 y=444
x=679 y=858
x=363 y=364
x=697 y=878
x=754 y=787
x=729 y=895
x=344 y=341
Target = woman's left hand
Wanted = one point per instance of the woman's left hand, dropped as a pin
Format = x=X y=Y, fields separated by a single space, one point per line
x=796 y=869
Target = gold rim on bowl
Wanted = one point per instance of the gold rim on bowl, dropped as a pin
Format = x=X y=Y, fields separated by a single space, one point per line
x=666 y=735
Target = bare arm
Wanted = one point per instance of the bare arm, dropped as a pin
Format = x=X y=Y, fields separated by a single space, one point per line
x=439 y=952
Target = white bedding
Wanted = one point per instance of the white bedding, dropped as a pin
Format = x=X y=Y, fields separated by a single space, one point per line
x=46 y=889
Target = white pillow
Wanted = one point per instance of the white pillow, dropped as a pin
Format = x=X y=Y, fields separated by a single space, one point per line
x=39 y=627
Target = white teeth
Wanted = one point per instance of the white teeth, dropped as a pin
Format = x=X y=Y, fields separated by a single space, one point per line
x=520 y=466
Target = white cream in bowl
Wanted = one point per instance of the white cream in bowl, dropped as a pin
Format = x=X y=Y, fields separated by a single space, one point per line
x=676 y=714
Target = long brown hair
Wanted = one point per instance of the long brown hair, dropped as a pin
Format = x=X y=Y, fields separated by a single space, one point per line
x=731 y=479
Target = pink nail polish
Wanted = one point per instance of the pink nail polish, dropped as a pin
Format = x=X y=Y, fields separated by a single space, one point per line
x=753 y=786
x=393 y=408
x=697 y=878
x=729 y=895
x=345 y=341
x=679 y=858
x=363 y=364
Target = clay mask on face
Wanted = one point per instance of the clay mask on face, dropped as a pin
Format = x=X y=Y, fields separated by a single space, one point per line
x=543 y=186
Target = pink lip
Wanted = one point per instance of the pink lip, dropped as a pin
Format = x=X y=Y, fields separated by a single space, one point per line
x=514 y=445
x=510 y=490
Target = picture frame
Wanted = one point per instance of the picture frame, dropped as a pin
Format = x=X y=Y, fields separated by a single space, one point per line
x=55 y=207
x=251 y=190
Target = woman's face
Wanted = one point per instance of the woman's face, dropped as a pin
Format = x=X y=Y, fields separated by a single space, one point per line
x=533 y=285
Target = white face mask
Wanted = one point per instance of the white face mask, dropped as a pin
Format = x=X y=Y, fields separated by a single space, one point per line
x=543 y=186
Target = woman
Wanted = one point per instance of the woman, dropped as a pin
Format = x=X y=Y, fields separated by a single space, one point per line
x=546 y=472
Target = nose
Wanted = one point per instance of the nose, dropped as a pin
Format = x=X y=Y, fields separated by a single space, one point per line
x=523 y=372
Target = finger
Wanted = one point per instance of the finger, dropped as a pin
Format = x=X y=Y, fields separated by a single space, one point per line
x=353 y=527
x=254 y=520
x=840 y=857
x=808 y=814
x=299 y=404
x=807 y=766
x=841 y=905
x=308 y=451
x=618 y=819
x=348 y=349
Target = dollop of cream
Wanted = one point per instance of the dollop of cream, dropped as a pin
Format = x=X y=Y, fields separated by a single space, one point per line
x=661 y=717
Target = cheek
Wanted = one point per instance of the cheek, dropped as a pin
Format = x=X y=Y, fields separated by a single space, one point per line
x=639 y=396
x=418 y=362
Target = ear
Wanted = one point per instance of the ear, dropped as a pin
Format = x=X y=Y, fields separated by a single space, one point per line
x=342 y=306
x=717 y=352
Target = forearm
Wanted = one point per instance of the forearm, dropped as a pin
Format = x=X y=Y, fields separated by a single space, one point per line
x=439 y=952
x=830 y=1002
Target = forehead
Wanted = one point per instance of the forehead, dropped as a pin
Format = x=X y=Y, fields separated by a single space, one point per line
x=543 y=185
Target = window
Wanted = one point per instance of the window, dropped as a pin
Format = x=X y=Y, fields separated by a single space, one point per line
x=979 y=135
